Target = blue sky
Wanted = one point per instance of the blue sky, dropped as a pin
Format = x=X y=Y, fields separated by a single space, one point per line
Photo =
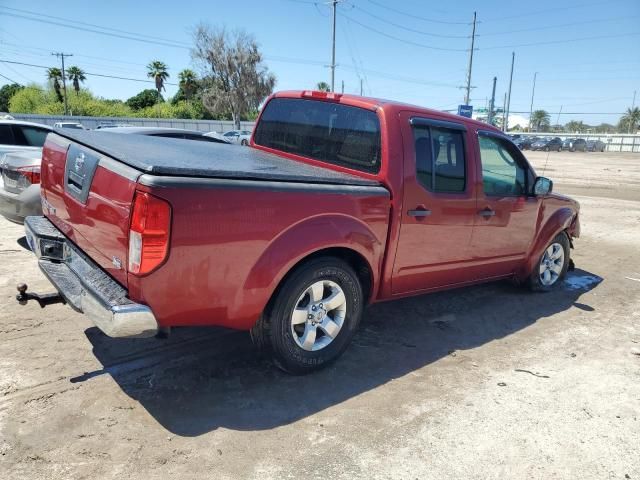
x=409 y=50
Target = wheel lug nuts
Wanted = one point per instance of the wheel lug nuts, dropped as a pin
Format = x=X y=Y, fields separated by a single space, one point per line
x=313 y=308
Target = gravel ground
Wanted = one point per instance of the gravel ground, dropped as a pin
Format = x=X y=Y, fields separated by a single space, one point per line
x=483 y=382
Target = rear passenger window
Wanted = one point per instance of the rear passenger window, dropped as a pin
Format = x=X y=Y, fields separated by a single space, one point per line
x=440 y=162
x=330 y=132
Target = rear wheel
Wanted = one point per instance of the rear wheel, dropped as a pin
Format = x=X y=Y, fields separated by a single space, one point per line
x=244 y=143
x=552 y=265
x=313 y=316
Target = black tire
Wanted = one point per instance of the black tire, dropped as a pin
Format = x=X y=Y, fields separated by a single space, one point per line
x=546 y=149
x=535 y=282
x=244 y=143
x=274 y=330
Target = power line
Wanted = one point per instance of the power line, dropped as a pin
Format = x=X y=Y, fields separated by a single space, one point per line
x=408 y=42
x=38 y=14
x=403 y=27
x=548 y=27
x=546 y=10
x=553 y=42
x=412 y=15
x=126 y=37
x=12 y=81
x=87 y=73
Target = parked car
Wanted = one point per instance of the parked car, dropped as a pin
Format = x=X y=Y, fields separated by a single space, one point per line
x=16 y=135
x=341 y=202
x=166 y=133
x=574 y=144
x=219 y=136
x=20 y=185
x=241 y=137
x=74 y=125
x=547 y=144
x=595 y=146
x=524 y=142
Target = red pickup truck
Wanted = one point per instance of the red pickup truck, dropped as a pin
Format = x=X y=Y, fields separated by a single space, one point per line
x=340 y=201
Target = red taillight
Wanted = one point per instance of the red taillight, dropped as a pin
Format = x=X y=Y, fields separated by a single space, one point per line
x=32 y=174
x=148 y=233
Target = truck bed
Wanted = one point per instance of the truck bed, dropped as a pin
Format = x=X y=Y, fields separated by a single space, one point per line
x=177 y=157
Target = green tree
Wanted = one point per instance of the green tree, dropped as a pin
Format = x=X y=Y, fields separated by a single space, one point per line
x=54 y=75
x=188 y=83
x=323 y=87
x=77 y=76
x=540 y=119
x=6 y=92
x=575 y=126
x=630 y=120
x=235 y=80
x=158 y=71
x=144 y=99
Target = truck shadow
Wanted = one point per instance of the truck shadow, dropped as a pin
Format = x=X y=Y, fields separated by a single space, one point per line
x=201 y=379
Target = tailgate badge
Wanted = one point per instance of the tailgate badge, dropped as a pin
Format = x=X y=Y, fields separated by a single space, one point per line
x=79 y=162
x=116 y=262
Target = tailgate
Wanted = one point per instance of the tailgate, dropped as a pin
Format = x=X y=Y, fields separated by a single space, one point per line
x=88 y=196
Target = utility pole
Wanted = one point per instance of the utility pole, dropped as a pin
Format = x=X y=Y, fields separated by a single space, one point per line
x=64 y=77
x=508 y=103
x=633 y=105
x=360 y=87
x=342 y=91
x=473 y=39
x=493 y=102
x=504 y=109
x=533 y=91
x=334 y=4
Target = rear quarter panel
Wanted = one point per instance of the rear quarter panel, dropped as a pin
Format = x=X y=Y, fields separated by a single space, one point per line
x=232 y=242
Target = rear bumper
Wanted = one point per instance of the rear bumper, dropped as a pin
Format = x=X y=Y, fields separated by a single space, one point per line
x=84 y=285
x=17 y=206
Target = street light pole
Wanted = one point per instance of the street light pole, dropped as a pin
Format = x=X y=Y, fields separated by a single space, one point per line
x=508 y=103
x=533 y=91
x=334 y=4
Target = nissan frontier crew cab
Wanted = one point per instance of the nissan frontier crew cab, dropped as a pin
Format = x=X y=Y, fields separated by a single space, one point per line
x=340 y=201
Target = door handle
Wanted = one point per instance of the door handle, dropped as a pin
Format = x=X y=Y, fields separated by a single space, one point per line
x=420 y=212
x=487 y=212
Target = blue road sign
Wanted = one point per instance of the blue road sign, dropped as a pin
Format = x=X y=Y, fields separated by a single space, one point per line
x=465 y=110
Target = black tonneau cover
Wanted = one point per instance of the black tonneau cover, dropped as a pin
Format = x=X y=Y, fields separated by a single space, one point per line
x=170 y=156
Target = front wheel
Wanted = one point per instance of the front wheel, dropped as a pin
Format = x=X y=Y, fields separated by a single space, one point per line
x=552 y=265
x=313 y=316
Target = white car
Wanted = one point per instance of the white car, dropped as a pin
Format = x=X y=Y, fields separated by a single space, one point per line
x=241 y=137
x=16 y=135
x=76 y=125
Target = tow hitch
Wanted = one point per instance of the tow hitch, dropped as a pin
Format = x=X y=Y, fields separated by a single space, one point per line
x=43 y=300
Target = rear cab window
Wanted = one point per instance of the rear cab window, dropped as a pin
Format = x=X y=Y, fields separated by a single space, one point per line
x=337 y=134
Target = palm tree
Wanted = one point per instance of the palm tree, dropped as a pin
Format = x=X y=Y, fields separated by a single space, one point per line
x=540 y=118
x=158 y=71
x=54 y=75
x=77 y=76
x=631 y=119
x=188 y=82
x=323 y=87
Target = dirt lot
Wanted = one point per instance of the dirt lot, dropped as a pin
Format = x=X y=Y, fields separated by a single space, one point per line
x=486 y=382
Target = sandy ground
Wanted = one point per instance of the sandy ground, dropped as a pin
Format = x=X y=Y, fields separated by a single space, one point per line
x=485 y=382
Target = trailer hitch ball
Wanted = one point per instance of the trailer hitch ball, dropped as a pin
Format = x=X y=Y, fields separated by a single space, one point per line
x=43 y=300
x=22 y=294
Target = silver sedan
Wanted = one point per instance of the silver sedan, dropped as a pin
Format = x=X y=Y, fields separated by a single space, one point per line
x=20 y=185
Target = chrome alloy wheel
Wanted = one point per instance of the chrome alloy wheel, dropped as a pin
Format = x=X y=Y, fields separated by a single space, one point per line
x=318 y=315
x=551 y=264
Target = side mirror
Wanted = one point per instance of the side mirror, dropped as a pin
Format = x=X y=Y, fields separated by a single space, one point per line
x=543 y=186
